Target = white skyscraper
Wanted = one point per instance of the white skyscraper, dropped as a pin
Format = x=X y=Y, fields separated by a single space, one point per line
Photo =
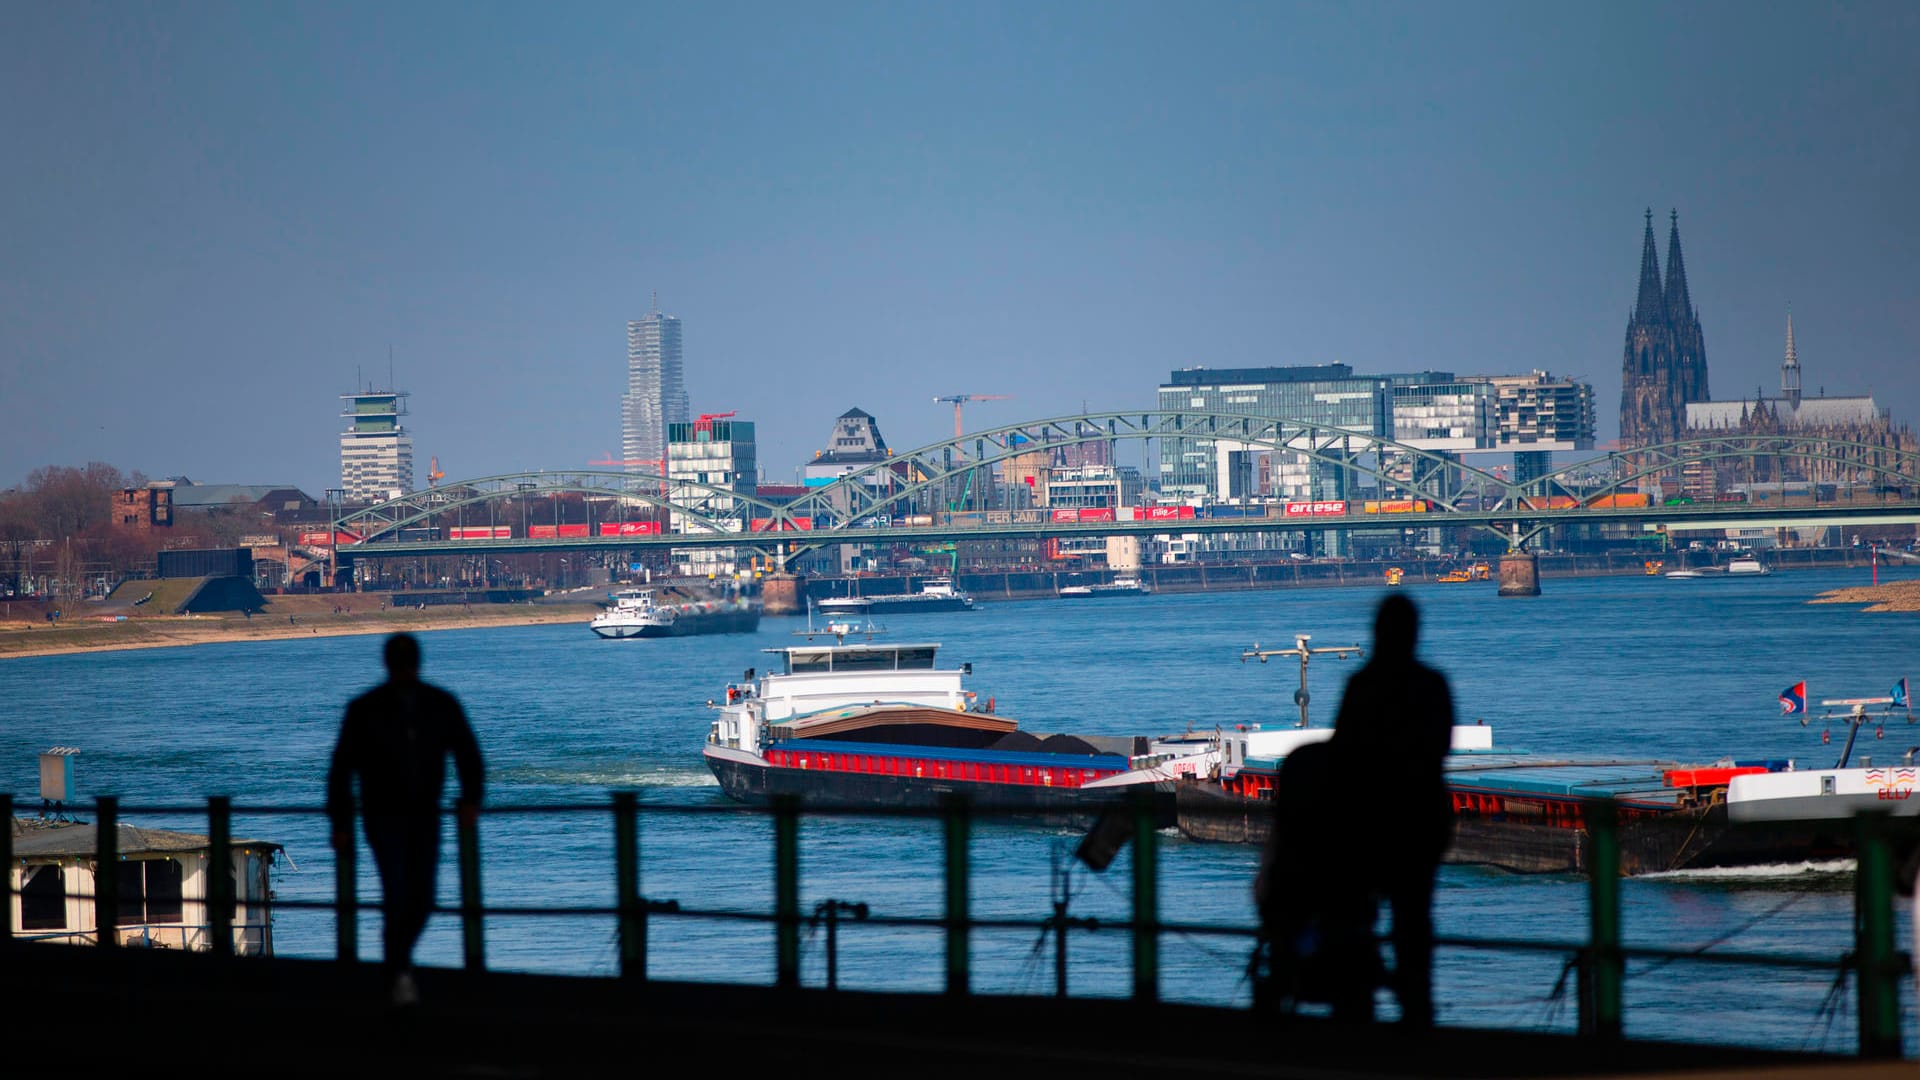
x=376 y=453
x=656 y=391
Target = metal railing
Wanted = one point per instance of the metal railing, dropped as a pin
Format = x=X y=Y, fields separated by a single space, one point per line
x=1600 y=961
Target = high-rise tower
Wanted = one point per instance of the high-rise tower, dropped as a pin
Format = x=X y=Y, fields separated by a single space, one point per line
x=376 y=453
x=656 y=391
x=1665 y=366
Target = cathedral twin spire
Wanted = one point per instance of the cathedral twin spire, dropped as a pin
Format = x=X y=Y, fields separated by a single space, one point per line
x=1666 y=354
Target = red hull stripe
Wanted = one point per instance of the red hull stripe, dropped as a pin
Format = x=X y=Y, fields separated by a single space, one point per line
x=980 y=772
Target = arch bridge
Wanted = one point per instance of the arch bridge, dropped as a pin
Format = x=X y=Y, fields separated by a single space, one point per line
x=948 y=490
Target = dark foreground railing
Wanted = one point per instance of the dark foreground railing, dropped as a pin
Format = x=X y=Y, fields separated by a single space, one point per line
x=1599 y=962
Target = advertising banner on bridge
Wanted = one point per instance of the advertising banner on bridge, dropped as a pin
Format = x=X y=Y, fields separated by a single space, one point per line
x=797 y=524
x=1317 y=509
x=480 y=532
x=1167 y=513
x=629 y=528
x=322 y=539
x=556 y=532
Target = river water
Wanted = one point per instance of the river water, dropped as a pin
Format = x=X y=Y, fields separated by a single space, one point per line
x=1625 y=666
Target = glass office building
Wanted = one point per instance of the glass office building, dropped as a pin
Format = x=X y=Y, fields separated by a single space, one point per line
x=1326 y=394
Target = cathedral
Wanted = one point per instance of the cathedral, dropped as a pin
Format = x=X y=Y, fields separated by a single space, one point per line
x=1858 y=420
x=1666 y=359
x=1663 y=398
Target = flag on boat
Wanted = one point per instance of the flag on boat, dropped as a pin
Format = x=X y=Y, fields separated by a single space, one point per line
x=1899 y=693
x=1794 y=698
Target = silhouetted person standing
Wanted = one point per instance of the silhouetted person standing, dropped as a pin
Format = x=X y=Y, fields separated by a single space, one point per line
x=396 y=738
x=1395 y=728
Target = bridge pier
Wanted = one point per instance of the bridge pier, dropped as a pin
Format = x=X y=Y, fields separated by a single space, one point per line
x=783 y=594
x=1519 y=574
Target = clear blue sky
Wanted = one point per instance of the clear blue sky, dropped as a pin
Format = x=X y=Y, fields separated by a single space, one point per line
x=211 y=215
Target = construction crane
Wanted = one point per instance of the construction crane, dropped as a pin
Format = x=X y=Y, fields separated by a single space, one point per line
x=620 y=463
x=434 y=475
x=961 y=399
x=705 y=423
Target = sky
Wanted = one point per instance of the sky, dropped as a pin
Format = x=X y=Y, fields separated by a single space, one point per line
x=215 y=218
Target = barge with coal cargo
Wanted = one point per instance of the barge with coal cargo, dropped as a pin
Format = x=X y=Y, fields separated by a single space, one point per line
x=883 y=725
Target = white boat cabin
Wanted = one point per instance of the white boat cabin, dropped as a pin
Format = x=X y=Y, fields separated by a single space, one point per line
x=163 y=887
x=813 y=678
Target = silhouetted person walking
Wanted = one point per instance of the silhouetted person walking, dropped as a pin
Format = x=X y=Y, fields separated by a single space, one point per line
x=396 y=738
x=1395 y=727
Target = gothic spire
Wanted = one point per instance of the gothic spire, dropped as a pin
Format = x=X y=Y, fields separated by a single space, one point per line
x=1790 y=368
x=1651 y=307
x=1679 y=304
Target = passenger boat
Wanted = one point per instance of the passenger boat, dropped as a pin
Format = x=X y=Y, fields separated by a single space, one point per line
x=870 y=724
x=1123 y=585
x=635 y=614
x=1528 y=813
x=1747 y=564
x=936 y=594
x=1476 y=572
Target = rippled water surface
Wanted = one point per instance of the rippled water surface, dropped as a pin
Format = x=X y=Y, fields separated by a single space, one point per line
x=1641 y=666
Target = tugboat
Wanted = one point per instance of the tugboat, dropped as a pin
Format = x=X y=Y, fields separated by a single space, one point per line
x=936 y=594
x=881 y=724
x=634 y=614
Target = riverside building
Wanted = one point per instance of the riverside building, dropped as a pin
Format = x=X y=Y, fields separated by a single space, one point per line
x=376 y=453
x=710 y=462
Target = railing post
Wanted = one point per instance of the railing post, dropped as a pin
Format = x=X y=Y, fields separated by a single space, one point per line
x=106 y=871
x=959 y=832
x=6 y=868
x=220 y=899
x=1875 y=967
x=626 y=860
x=786 y=890
x=346 y=892
x=1602 y=981
x=472 y=922
x=1146 y=901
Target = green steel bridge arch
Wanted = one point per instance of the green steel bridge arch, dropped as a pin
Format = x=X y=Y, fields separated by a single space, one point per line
x=927 y=478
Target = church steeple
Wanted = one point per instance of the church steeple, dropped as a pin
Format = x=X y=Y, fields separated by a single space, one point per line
x=1679 y=304
x=1790 y=369
x=1651 y=306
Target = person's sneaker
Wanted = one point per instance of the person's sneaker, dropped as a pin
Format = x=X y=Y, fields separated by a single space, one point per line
x=405 y=993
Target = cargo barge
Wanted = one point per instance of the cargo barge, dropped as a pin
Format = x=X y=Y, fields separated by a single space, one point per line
x=882 y=725
x=1528 y=813
x=635 y=614
x=936 y=594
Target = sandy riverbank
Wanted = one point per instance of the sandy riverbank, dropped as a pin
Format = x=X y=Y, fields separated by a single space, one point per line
x=1893 y=596
x=286 y=617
